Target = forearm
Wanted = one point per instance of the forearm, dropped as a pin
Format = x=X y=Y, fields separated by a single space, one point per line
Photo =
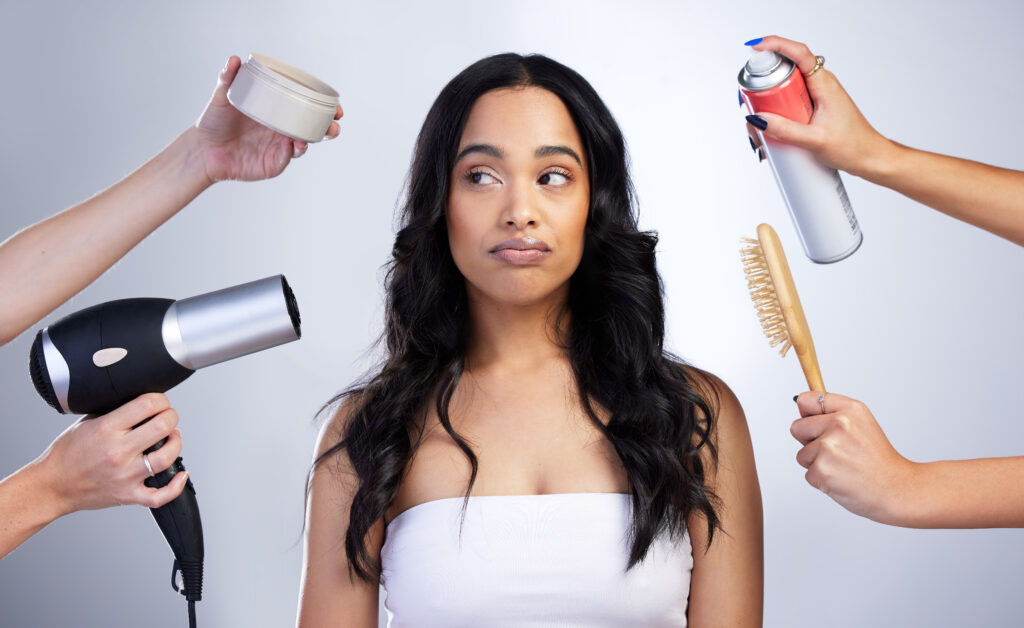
x=45 y=264
x=27 y=505
x=985 y=196
x=982 y=493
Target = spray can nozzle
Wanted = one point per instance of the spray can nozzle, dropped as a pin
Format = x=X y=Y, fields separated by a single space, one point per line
x=762 y=62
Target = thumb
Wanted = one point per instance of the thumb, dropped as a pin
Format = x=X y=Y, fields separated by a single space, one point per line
x=155 y=498
x=224 y=80
x=786 y=130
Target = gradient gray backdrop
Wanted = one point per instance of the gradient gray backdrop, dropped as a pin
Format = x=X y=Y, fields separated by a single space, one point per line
x=923 y=323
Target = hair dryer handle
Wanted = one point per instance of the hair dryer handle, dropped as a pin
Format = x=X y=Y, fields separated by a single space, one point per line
x=180 y=523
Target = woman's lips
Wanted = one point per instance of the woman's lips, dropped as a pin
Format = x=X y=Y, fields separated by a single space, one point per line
x=521 y=251
x=526 y=256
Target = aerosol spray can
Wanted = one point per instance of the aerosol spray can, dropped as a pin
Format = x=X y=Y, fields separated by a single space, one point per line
x=813 y=192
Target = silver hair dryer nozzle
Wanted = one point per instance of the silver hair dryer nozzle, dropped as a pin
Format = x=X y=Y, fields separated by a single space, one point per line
x=232 y=322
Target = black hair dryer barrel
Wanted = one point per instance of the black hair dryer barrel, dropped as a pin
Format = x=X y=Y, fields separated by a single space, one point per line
x=99 y=358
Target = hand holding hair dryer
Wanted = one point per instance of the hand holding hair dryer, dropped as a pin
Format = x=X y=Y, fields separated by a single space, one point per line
x=99 y=358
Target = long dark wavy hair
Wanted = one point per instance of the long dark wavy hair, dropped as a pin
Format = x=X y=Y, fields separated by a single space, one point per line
x=659 y=414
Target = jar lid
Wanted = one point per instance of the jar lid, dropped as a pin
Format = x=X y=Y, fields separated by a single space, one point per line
x=291 y=79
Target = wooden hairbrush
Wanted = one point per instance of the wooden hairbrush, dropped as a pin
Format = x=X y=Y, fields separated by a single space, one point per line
x=777 y=304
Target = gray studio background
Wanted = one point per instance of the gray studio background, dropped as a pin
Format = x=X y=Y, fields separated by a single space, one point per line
x=923 y=323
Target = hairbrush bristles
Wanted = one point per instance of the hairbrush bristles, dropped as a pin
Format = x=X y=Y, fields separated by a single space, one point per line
x=762 y=293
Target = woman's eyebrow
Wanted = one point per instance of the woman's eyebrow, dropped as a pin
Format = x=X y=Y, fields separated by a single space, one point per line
x=497 y=153
x=547 y=151
x=486 y=149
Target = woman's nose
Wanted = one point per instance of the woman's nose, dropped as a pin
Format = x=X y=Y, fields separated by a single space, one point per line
x=521 y=209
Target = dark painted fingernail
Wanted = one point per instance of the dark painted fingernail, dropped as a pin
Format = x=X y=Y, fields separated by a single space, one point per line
x=754 y=42
x=795 y=397
x=758 y=122
x=752 y=147
x=739 y=97
x=760 y=155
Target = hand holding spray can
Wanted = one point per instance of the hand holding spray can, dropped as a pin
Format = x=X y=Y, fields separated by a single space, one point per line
x=813 y=192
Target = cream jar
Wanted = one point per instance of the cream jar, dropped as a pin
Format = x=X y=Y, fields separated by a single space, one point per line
x=284 y=98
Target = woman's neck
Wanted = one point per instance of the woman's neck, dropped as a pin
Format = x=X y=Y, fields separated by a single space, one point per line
x=515 y=337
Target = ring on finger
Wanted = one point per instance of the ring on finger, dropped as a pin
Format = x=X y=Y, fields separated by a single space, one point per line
x=821 y=402
x=819 y=63
x=149 y=467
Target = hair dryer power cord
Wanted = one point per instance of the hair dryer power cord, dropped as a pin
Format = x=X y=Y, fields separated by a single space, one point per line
x=191 y=587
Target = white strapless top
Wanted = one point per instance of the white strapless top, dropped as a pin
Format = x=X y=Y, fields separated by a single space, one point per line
x=530 y=561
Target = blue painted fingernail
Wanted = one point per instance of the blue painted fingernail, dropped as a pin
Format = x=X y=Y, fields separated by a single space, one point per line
x=795 y=396
x=754 y=42
x=758 y=122
x=760 y=155
x=752 y=147
x=739 y=97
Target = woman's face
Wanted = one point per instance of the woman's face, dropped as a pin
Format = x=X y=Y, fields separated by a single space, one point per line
x=519 y=197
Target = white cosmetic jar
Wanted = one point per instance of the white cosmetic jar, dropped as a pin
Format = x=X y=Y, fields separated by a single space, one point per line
x=284 y=98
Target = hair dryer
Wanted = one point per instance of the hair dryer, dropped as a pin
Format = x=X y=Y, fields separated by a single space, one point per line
x=99 y=358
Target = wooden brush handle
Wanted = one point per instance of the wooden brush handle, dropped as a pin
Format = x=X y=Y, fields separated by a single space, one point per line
x=789 y=303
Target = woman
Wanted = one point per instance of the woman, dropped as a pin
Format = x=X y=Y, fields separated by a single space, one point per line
x=529 y=454
x=845 y=451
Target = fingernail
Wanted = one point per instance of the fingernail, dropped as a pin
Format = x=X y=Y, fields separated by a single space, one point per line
x=760 y=155
x=739 y=97
x=754 y=42
x=752 y=147
x=758 y=122
x=795 y=397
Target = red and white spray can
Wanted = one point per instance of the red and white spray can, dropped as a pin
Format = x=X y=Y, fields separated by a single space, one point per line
x=813 y=192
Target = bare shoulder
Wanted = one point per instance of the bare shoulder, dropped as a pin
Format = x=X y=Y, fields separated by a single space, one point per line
x=330 y=594
x=332 y=470
x=726 y=586
x=732 y=457
x=333 y=430
x=728 y=412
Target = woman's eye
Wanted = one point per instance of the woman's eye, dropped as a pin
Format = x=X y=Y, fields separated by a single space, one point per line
x=480 y=178
x=554 y=178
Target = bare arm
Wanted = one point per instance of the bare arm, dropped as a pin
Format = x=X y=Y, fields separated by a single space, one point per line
x=328 y=595
x=985 y=196
x=849 y=458
x=95 y=463
x=727 y=584
x=982 y=493
x=49 y=262
x=98 y=463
